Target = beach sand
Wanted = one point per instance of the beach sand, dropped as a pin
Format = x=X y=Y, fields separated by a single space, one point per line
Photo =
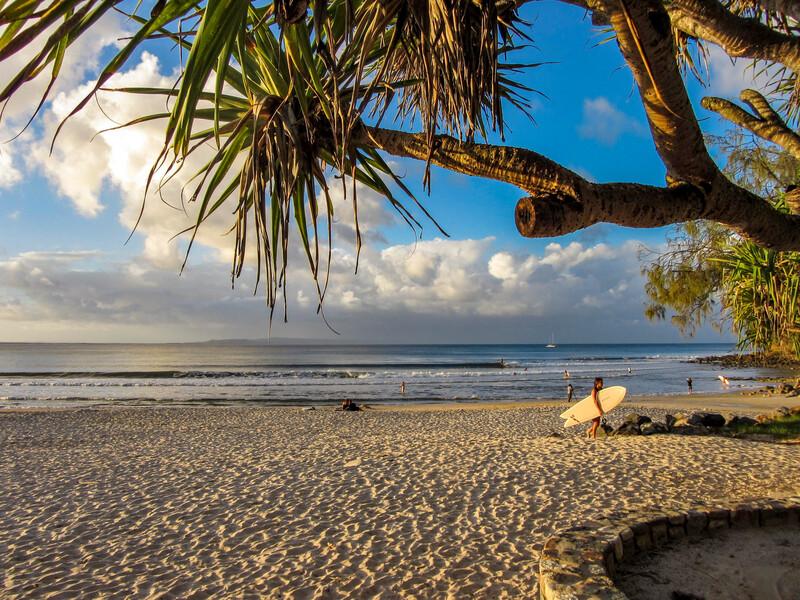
x=282 y=503
x=757 y=564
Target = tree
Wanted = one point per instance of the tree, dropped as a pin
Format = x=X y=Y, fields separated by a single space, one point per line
x=709 y=273
x=286 y=89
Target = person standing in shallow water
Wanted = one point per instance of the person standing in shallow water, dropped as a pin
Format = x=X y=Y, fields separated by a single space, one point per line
x=570 y=391
x=689 y=384
x=598 y=385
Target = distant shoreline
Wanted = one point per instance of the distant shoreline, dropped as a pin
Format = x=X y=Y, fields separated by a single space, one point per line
x=734 y=400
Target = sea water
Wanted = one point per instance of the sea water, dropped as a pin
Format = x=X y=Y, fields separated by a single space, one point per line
x=230 y=373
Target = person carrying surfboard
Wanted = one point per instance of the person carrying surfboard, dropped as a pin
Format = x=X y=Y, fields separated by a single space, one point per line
x=598 y=385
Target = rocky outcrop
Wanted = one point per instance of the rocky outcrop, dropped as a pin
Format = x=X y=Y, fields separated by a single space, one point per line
x=694 y=423
x=749 y=360
x=737 y=421
x=653 y=427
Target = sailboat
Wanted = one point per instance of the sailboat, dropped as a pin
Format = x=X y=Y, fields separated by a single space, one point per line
x=552 y=343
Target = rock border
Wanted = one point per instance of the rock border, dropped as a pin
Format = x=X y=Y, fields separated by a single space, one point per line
x=579 y=563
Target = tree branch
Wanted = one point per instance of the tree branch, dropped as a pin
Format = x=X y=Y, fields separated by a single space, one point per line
x=738 y=36
x=645 y=38
x=562 y=201
x=766 y=123
x=524 y=168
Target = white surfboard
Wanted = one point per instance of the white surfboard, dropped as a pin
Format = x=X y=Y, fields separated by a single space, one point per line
x=585 y=410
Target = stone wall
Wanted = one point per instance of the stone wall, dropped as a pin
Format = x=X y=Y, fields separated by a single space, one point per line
x=579 y=563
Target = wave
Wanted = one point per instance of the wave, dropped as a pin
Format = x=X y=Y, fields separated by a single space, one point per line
x=179 y=374
x=305 y=370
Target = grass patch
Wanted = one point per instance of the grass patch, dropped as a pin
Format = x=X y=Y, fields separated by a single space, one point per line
x=785 y=427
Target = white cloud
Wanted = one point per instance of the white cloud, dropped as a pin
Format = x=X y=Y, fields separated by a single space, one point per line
x=83 y=160
x=603 y=122
x=83 y=58
x=447 y=280
x=9 y=174
x=86 y=165
x=728 y=77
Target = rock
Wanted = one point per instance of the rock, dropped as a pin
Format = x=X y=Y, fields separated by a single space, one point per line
x=670 y=421
x=786 y=388
x=736 y=421
x=628 y=429
x=652 y=427
x=712 y=420
x=794 y=393
x=701 y=419
x=780 y=413
x=680 y=595
x=795 y=410
x=636 y=419
x=695 y=419
x=762 y=418
x=604 y=430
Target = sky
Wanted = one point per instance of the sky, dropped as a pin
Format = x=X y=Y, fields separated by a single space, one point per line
x=68 y=275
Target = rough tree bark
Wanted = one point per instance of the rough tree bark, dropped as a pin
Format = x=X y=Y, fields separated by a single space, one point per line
x=562 y=201
x=766 y=123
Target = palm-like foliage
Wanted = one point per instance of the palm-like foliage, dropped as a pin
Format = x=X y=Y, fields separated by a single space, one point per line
x=281 y=93
x=761 y=295
x=707 y=271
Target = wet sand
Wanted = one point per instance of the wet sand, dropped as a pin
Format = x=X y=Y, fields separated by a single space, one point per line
x=285 y=503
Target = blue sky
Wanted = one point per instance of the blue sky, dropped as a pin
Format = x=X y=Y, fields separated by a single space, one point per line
x=66 y=274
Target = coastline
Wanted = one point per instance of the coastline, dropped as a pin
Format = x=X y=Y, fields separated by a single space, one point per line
x=745 y=401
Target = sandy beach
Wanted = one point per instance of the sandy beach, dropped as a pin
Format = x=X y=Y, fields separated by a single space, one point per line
x=431 y=502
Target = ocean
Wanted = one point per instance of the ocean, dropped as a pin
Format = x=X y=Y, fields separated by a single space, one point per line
x=62 y=375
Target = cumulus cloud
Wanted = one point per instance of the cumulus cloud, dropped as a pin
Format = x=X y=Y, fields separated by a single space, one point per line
x=83 y=58
x=89 y=161
x=9 y=174
x=603 y=122
x=446 y=280
x=83 y=159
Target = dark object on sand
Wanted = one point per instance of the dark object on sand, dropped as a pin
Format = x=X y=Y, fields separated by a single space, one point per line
x=678 y=595
x=349 y=405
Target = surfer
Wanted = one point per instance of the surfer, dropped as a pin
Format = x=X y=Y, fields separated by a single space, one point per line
x=566 y=374
x=570 y=391
x=403 y=387
x=689 y=384
x=598 y=385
